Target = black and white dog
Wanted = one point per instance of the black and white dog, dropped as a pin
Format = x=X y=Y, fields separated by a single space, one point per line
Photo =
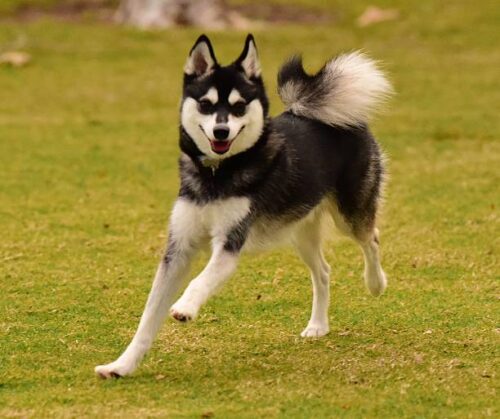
x=250 y=182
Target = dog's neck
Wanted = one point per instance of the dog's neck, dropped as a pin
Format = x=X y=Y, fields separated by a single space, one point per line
x=210 y=162
x=202 y=178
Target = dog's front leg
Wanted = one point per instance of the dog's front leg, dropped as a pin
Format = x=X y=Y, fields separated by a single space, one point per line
x=229 y=230
x=166 y=284
x=221 y=265
x=172 y=270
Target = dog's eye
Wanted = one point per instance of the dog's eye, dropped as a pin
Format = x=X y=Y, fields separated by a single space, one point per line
x=239 y=108
x=205 y=106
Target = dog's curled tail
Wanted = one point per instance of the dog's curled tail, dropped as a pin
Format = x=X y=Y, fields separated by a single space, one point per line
x=343 y=93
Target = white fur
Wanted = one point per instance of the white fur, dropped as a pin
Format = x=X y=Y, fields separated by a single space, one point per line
x=253 y=123
x=374 y=275
x=355 y=87
x=192 y=119
x=166 y=284
x=212 y=96
x=375 y=279
x=244 y=131
x=267 y=234
x=216 y=219
x=307 y=241
x=218 y=270
x=234 y=97
x=192 y=225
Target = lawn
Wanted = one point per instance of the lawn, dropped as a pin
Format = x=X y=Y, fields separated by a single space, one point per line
x=88 y=174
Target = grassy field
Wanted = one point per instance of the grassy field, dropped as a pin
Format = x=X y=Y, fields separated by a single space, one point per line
x=88 y=150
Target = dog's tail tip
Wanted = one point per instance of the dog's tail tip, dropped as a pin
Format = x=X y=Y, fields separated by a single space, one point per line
x=292 y=69
x=345 y=92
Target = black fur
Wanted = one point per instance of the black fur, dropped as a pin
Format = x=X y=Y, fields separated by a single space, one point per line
x=310 y=87
x=294 y=165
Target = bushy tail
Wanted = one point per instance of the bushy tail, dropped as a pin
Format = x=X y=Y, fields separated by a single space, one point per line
x=343 y=93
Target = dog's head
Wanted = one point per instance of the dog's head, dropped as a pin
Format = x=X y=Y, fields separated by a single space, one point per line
x=223 y=107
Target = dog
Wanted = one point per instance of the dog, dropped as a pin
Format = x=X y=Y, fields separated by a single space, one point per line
x=249 y=181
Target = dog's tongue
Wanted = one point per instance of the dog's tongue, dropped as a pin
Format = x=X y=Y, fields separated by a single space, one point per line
x=220 y=147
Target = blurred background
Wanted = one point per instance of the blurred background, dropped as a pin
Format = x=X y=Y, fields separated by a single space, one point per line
x=89 y=97
x=210 y=14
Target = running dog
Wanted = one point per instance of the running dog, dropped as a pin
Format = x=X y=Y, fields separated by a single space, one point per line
x=249 y=181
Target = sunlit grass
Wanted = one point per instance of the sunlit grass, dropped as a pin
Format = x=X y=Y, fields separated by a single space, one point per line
x=88 y=150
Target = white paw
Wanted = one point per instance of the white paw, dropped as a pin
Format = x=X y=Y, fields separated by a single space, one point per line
x=114 y=370
x=315 y=331
x=183 y=311
x=376 y=282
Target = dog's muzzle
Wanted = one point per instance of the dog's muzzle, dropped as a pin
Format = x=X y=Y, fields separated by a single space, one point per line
x=221 y=144
x=221 y=132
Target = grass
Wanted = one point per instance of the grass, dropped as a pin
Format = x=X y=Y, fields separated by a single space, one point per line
x=88 y=150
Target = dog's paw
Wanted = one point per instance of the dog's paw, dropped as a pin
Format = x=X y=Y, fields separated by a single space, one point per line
x=113 y=370
x=376 y=281
x=183 y=312
x=315 y=331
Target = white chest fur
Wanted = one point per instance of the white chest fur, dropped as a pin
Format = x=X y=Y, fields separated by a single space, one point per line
x=217 y=219
x=214 y=220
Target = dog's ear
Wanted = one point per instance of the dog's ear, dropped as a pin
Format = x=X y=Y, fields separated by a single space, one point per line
x=201 y=58
x=248 y=61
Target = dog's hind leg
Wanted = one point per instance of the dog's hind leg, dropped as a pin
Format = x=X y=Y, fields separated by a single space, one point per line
x=367 y=236
x=375 y=279
x=169 y=277
x=307 y=241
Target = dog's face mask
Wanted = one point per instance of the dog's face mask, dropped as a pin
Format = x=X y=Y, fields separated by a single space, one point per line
x=223 y=108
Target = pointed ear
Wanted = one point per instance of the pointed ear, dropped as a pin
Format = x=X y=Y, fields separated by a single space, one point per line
x=248 y=61
x=201 y=58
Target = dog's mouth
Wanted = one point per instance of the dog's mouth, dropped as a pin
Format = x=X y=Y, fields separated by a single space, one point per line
x=220 y=147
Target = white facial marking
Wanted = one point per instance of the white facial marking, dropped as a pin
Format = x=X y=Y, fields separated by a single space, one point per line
x=234 y=97
x=249 y=127
x=244 y=131
x=212 y=96
x=198 y=126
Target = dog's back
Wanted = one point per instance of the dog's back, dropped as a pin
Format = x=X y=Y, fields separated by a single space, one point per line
x=249 y=180
x=326 y=126
x=343 y=164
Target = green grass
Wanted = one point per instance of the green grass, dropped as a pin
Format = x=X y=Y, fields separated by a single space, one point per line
x=88 y=150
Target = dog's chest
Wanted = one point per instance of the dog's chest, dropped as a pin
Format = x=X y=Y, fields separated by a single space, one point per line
x=217 y=218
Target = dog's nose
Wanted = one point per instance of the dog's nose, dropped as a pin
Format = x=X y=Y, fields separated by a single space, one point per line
x=221 y=133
